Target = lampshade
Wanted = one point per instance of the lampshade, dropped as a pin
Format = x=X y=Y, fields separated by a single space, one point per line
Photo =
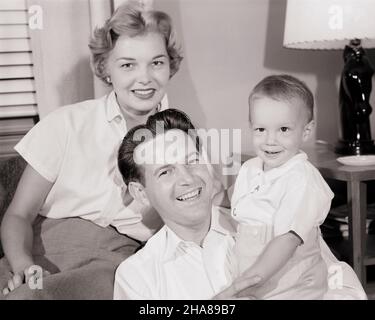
x=347 y=25
x=329 y=24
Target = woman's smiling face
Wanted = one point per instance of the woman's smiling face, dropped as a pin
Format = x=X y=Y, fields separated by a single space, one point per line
x=139 y=70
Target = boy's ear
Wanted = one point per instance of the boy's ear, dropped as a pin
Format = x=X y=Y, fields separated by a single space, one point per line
x=137 y=191
x=308 y=130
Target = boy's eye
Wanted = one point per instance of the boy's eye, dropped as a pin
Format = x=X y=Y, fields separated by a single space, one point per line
x=284 y=129
x=259 y=129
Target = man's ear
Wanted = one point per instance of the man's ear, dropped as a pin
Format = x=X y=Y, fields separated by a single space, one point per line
x=308 y=130
x=137 y=191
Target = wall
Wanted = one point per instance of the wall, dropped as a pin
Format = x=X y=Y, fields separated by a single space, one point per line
x=229 y=45
x=61 y=54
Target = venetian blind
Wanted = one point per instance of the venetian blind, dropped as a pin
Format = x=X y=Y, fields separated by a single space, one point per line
x=17 y=84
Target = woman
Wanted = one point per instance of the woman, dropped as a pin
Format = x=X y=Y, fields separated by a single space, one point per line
x=72 y=172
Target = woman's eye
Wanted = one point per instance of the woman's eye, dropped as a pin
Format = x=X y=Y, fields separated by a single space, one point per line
x=158 y=63
x=284 y=129
x=126 y=65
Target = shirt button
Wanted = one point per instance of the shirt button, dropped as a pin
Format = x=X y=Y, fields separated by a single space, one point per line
x=118 y=119
x=234 y=212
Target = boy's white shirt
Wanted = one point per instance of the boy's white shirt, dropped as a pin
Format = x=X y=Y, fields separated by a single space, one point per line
x=292 y=197
x=280 y=198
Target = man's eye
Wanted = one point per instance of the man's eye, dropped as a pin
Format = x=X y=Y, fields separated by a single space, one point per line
x=194 y=160
x=164 y=172
x=284 y=129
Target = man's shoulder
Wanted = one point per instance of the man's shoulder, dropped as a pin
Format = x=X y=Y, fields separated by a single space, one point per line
x=149 y=254
x=138 y=274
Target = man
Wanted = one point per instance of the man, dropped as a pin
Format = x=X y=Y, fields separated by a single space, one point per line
x=191 y=257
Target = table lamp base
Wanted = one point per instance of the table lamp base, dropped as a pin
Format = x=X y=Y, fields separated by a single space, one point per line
x=355 y=147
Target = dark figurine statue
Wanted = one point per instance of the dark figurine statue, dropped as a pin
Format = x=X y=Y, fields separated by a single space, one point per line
x=355 y=109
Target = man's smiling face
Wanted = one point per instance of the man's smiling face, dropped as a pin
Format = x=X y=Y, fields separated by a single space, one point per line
x=177 y=182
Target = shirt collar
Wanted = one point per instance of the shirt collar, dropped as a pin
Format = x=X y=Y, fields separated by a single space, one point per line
x=112 y=107
x=275 y=173
x=113 y=110
x=221 y=222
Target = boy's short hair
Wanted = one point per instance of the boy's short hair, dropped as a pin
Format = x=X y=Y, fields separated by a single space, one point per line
x=284 y=87
x=159 y=123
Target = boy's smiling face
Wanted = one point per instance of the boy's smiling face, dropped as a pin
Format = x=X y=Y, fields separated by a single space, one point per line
x=278 y=129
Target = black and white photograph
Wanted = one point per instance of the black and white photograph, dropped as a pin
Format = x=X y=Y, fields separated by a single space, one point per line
x=177 y=151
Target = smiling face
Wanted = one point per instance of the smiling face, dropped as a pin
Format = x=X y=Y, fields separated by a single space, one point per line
x=178 y=185
x=139 y=71
x=278 y=129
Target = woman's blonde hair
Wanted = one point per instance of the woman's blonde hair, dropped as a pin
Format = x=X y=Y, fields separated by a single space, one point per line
x=131 y=19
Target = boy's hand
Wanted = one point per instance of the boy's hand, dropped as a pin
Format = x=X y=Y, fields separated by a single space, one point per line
x=22 y=277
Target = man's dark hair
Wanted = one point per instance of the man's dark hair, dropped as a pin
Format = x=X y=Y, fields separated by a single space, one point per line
x=160 y=122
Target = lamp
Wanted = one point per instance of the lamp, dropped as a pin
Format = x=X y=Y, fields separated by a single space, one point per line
x=348 y=25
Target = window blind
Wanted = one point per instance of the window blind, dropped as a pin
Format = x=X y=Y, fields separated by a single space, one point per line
x=18 y=105
x=17 y=84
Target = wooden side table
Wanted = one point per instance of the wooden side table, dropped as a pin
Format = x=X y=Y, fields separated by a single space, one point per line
x=355 y=177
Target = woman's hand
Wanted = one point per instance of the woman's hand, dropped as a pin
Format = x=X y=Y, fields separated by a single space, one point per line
x=31 y=275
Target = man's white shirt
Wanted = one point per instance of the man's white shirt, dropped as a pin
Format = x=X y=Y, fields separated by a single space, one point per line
x=171 y=268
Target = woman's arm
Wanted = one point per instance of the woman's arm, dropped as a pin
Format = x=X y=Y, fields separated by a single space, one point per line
x=16 y=227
